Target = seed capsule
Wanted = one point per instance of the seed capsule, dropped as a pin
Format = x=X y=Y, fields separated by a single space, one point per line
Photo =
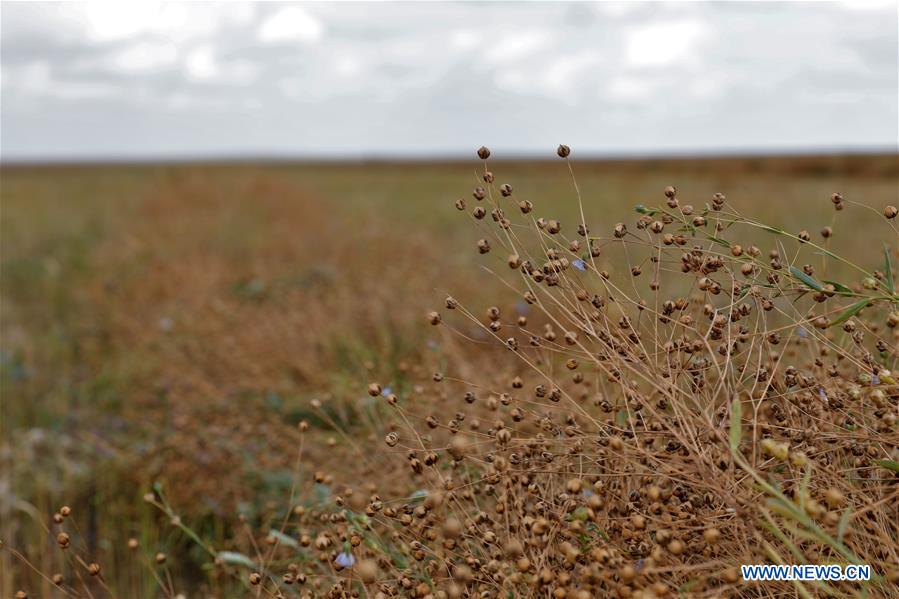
x=563 y=151
x=483 y=152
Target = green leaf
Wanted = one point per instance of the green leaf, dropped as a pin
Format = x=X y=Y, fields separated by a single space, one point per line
x=719 y=241
x=888 y=464
x=849 y=312
x=773 y=230
x=283 y=538
x=239 y=559
x=888 y=269
x=799 y=274
x=736 y=425
x=641 y=209
x=844 y=522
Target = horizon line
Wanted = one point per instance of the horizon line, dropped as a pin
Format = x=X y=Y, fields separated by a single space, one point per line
x=438 y=156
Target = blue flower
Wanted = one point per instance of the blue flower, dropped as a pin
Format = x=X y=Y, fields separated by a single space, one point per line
x=822 y=394
x=345 y=559
x=802 y=332
x=875 y=380
x=579 y=264
x=386 y=390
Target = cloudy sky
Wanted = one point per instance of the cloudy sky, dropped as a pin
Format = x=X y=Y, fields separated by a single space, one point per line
x=130 y=80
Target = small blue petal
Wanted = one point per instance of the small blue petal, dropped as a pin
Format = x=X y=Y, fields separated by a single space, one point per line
x=345 y=560
x=386 y=390
x=579 y=264
x=875 y=380
x=802 y=332
x=822 y=394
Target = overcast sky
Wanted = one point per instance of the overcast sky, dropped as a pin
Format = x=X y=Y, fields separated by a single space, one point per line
x=125 y=80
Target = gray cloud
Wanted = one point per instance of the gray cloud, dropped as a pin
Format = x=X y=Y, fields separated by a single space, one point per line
x=354 y=79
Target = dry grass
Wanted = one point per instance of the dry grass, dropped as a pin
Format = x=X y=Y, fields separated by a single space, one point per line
x=178 y=323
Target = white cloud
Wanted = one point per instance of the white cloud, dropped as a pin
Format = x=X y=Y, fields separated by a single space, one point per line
x=516 y=45
x=662 y=44
x=361 y=77
x=109 y=21
x=291 y=23
x=201 y=63
x=629 y=88
x=348 y=66
x=464 y=39
x=568 y=72
x=145 y=56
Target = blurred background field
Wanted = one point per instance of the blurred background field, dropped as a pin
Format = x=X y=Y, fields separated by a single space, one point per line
x=171 y=323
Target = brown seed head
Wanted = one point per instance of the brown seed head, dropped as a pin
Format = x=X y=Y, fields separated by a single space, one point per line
x=367 y=570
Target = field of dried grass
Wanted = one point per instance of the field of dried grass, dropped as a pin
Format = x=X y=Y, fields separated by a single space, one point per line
x=167 y=329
